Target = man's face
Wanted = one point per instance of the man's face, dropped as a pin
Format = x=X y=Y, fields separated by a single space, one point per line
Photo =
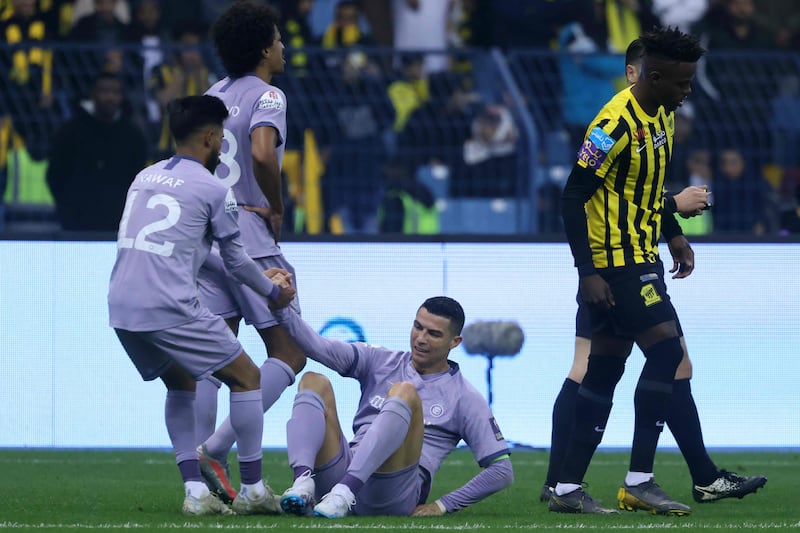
x=672 y=83
x=431 y=342
x=107 y=97
x=277 y=62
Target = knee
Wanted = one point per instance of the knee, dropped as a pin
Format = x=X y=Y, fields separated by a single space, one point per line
x=603 y=372
x=662 y=360
x=315 y=382
x=295 y=359
x=407 y=392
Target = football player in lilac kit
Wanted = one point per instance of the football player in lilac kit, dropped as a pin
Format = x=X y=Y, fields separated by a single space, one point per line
x=415 y=407
x=249 y=45
x=172 y=212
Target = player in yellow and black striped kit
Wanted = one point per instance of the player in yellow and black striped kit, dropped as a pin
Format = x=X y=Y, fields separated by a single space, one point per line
x=613 y=210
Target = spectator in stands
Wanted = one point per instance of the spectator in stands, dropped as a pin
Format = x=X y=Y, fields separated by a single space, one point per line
x=683 y=144
x=186 y=75
x=740 y=195
x=790 y=218
x=432 y=141
x=410 y=90
x=681 y=13
x=345 y=31
x=57 y=14
x=296 y=33
x=352 y=137
x=148 y=31
x=785 y=122
x=94 y=157
x=422 y=25
x=409 y=206
x=731 y=25
x=489 y=165
x=28 y=77
x=101 y=25
x=588 y=76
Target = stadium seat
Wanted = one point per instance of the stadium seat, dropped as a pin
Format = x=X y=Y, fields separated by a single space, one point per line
x=483 y=215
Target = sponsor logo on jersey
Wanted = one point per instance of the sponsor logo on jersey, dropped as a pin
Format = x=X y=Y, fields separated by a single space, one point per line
x=377 y=401
x=595 y=148
x=650 y=295
x=659 y=139
x=230 y=202
x=496 y=429
x=271 y=99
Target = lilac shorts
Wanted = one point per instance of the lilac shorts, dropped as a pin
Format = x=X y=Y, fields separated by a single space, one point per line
x=226 y=297
x=200 y=347
x=384 y=493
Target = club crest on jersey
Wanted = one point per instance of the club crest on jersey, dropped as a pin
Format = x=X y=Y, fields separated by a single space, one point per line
x=230 y=202
x=436 y=410
x=271 y=99
x=650 y=295
x=595 y=148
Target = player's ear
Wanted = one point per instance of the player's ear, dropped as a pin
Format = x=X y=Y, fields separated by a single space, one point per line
x=208 y=137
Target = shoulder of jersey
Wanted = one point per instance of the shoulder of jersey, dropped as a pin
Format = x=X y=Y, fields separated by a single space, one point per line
x=272 y=98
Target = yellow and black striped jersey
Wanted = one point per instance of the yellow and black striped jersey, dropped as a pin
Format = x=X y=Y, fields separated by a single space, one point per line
x=629 y=151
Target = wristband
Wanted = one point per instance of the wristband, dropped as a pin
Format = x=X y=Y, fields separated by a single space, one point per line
x=441 y=506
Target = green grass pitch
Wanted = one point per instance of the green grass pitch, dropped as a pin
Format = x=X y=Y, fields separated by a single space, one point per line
x=77 y=490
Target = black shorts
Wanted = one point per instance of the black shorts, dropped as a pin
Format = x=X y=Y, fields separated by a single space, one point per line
x=641 y=301
x=583 y=320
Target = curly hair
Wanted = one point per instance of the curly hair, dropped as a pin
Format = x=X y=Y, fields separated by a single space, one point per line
x=672 y=44
x=241 y=33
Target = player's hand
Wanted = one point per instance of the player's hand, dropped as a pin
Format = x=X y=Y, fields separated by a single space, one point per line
x=283 y=279
x=273 y=219
x=691 y=201
x=427 y=509
x=596 y=291
x=682 y=257
x=274 y=272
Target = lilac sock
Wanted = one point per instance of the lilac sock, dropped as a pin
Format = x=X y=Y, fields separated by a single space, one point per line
x=190 y=470
x=247 y=420
x=305 y=430
x=381 y=440
x=179 y=417
x=275 y=377
x=205 y=409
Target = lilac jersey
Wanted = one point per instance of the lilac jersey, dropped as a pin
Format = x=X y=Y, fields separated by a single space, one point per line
x=252 y=103
x=452 y=408
x=173 y=210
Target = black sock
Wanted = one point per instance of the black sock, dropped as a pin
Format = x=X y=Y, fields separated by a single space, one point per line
x=684 y=423
x=591 y=415
x=651 y=399
x=563 y=419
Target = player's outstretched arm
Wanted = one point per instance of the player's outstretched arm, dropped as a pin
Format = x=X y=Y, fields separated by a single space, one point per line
x=494 y=478
x=244 y=269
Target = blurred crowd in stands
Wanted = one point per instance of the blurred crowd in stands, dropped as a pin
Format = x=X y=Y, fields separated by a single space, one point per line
x=405 y=116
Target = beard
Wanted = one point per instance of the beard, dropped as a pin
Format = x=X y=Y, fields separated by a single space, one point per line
x=212 y=162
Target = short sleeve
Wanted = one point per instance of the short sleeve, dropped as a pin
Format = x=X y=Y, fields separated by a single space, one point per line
x=270 y=110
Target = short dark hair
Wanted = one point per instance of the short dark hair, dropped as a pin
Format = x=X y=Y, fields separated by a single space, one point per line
x=190 y=114
x=447 y=308
x=672 y=44
x=241 y=33
x=635 y=52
